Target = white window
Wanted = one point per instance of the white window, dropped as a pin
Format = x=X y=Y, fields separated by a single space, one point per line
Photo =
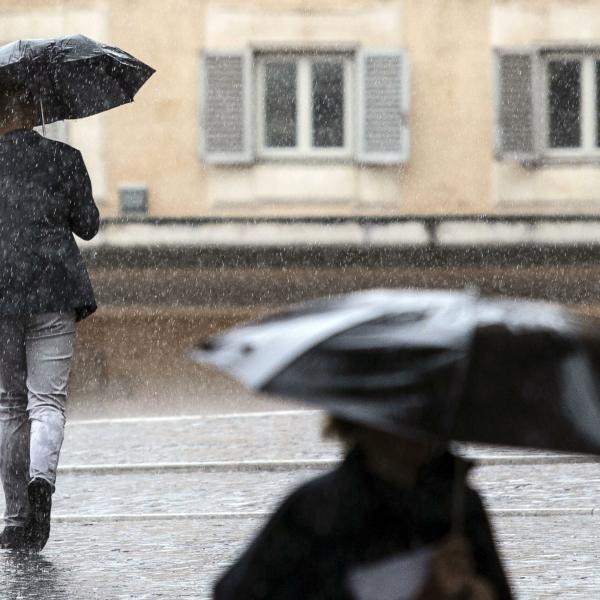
x=309 y=105
x=304 y=105
x=571 y=104
x=548 y=104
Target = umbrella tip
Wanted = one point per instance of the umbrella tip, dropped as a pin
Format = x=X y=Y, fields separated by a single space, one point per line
x=207 y=345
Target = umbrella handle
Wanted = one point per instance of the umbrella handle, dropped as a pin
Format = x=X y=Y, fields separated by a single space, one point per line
x=458 y=498
x=43 y=119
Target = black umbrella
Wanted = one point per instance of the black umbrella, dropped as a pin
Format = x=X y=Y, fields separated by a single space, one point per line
x=448 y=365
x=71 y=77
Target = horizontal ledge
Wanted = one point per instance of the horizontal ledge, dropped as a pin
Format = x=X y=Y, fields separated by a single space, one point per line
x=207 y=417
x=273 y=466
x=447 y=232
x=362 y=219
x=136 y=517
x=233 y=234
x=592 y=511
x=149 y=311
x=216 y=516
x=531 y=459
x=206 y=467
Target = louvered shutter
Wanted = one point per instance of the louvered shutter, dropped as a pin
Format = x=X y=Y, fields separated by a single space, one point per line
x=225 y=133
x=517 y=105
x=383 y=104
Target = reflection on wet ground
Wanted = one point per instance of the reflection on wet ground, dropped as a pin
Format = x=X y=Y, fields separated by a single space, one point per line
x=34 y=576
x=547 y=557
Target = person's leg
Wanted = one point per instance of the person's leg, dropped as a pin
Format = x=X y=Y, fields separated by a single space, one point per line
x=14 y=430
x=49 y=344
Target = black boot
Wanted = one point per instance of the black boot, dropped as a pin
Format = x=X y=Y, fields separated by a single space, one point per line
x=40 y=503
x=13 y=538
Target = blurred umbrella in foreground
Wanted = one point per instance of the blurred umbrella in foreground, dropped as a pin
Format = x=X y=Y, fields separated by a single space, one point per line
x=71 y=77
x=430 y=364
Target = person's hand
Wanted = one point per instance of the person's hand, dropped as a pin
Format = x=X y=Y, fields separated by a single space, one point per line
x=452 y=574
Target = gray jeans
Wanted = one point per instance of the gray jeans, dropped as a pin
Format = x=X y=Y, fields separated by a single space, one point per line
x=35 y=360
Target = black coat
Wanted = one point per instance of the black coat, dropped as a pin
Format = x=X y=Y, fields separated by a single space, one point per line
x=45 y=197
x=347 y=518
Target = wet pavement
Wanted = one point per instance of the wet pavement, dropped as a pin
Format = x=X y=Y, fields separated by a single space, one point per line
x=156 y=508
x=548 y=558
x=227 y=489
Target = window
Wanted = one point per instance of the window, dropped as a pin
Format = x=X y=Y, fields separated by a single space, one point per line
x=548 y=104
x=572 y=97
x=304 y=105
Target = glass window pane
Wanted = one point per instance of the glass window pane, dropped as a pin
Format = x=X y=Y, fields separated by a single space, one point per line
x=565 y=103
x=328 y=104
x=280 y=104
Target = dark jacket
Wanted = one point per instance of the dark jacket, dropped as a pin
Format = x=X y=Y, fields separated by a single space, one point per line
x=348 y=518
x=45 y=197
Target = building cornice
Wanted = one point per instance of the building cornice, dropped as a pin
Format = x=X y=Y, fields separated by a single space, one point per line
x=427 y=241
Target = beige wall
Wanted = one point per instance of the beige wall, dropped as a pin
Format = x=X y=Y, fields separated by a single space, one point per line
x=521 y=22
x=451 y=116
x=154 y=140
x=451 y=169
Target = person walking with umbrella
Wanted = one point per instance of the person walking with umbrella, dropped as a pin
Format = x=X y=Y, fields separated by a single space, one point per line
x=377 y=527
x=45 y=198
x=402 y=374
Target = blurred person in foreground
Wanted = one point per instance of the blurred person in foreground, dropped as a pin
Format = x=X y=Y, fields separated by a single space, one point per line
x=378 y=527
x=45 y=197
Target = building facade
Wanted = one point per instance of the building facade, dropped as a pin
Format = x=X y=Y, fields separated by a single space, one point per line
x=360 y=107
x=287 y=149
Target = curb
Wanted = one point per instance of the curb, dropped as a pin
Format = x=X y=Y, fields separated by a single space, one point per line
x=216 y=516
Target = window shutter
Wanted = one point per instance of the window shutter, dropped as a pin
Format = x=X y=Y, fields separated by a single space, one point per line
x=225 y=136
x=383 y=103
x=517 y=105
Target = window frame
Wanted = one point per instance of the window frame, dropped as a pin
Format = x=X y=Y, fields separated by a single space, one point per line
x=304 y=150
x=588 y=112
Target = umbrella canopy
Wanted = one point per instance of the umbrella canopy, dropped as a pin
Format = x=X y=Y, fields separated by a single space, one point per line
x=72 y=77
x=446 y=365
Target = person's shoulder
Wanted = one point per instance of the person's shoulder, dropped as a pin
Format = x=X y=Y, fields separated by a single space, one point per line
x=319 y=486
x=474 y=505
x=309 y=492
x=61 y=147
x=21 y=139
x=61 y=153
x=319 y=500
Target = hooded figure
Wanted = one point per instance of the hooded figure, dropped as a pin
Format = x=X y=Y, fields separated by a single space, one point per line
x=45 y=198
x=378 y=527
